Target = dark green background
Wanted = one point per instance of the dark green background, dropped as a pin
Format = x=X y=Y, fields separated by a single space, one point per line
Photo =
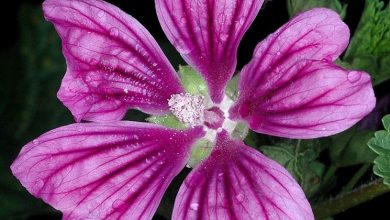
x=32 y=66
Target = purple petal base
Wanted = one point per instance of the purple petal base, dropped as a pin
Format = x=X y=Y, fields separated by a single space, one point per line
x=237 y=182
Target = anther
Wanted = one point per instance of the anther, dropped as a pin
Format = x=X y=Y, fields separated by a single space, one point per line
x=188 y=108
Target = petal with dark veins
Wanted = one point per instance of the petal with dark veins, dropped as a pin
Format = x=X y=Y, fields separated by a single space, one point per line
x=318 y=34
x=291 y=87
x=116 y=170
x=311 y=99
x=237 y=182
x=113 y=63
x=207 y=34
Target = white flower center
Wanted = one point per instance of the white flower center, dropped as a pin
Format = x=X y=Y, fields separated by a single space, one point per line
x=195 y=110
x=189 y=109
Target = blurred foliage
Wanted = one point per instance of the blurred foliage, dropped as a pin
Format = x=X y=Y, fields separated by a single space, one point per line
x=300 y=160
x=369 y=48
x=296 y=6
x=33 y=70
x=349 y=148
x=32 y=73
x=380 y=144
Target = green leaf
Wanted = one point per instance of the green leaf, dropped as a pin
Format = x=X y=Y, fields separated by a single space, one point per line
x=349 y=148
x=296 y=6
x=369 y=48
x=300 y=160
x=380 y=144
x=169 y=121
x=192 y=81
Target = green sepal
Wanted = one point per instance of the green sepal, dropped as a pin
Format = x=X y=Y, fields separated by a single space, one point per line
x=201 y=149
x=240 y=131
x=380 y=144
x=296 y=6
x=232 y=88
x=169 y=121
x=300 y=160
x=369 y=49
x=192 y=81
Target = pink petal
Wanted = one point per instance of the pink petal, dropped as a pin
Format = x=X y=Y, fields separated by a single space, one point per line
x=113 y=62
x=118 y=170
x=291 y=88
x=318 y=34
x=237 y=182
x=311 y=99
x=207 y=34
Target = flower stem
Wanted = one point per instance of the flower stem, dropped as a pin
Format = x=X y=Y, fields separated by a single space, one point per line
x=350 y=199
x=329 y=175
x=358 y=175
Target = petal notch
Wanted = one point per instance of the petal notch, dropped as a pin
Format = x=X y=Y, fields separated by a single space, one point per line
x=207 y=34
x=318 y=34
x=113 y=62
x=311 y=99
x=291 y=88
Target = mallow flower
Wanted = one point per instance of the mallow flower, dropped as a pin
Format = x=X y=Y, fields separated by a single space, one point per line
x=112 y=169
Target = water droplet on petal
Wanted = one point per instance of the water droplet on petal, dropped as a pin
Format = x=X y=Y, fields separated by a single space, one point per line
x=183 y=20
x=36 y=141
x=100 y=14
x=117 y=204
x=88 y=78
x=194 y=206
x=223 y=37
x=354 y=76
x=114 y=32
x=240 y=197
x=39 y=184
x=181 y=46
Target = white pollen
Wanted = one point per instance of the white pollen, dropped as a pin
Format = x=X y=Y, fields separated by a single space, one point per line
x=188 y=108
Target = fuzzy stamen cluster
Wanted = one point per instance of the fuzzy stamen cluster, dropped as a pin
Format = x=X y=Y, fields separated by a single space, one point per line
x=189 y=109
